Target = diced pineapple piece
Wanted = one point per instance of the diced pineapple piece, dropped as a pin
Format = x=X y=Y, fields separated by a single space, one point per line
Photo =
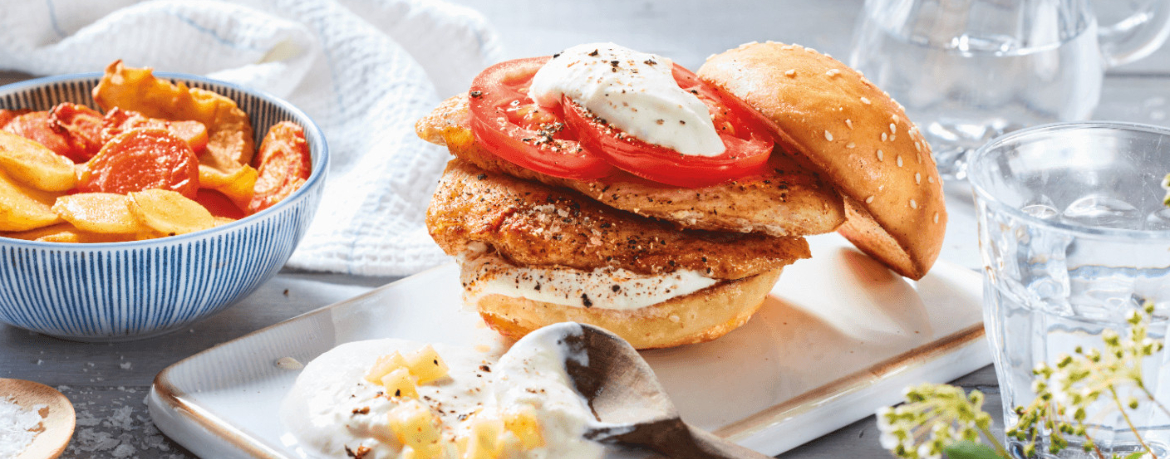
x=400 y=383
x=383 y=366
x=484 y=441
x=510 y=446
x=414 y=425
x=521 y=421
x=424 y=452
x=426 y=364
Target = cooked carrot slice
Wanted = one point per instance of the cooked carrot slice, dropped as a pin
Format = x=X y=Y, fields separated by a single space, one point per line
x=142 y=159
x=283 y=164
x=118 y=121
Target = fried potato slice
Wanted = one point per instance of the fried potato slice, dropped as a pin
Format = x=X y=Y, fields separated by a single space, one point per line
x=229 y=131
x=169 y=212
x=23 y=208
x=67 y=233
x=105 y=213
x=238 y=185
x=35 y=165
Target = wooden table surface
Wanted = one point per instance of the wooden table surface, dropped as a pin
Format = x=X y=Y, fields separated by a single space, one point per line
x=109 y=382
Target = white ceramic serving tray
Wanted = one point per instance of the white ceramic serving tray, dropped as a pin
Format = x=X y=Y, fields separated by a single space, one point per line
x=838 y=337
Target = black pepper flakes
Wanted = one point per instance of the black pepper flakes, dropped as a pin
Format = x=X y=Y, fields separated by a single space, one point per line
x=476 y=94
x=586 y=301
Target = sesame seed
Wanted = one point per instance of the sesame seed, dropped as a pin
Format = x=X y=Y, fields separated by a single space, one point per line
x=869 y=199
x=913 y=204
x=917 y=146
x=917 y=178
x=895 y=118
x=936 y=217
x=849 y=122
x=850 y=145
x=791 y=72
x=786 y=47
x=884 y=137
x=899 y=160
x=893 y=137
x=828 y=136
x=865 y=101
x=879 y=154
x=833 y=72
x=893 y=128
x=930 y=179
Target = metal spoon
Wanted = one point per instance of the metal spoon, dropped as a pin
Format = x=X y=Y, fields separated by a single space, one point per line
x=630 y=405
x=58 y=421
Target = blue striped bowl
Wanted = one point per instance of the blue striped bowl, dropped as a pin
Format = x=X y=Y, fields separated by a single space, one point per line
x=132 y=290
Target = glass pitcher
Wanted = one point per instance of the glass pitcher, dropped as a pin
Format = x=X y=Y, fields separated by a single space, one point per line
x=970 y=70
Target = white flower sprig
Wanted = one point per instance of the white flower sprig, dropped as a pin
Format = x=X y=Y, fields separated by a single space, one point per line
x=933 y=417
x=1065 y=391
x=1166 y=185
x=938 y=418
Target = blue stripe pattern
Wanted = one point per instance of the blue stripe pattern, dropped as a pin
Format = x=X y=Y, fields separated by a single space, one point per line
x=132 y=290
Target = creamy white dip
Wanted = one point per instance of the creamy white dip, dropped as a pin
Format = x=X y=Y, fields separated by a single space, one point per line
x=331 y=407
x=605 y=288
x=632 y=91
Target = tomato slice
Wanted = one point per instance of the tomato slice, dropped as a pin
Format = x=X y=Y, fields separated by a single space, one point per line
x=746 y=139
x=508 y=123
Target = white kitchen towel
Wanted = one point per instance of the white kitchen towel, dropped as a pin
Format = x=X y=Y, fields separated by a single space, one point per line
x=364 y=70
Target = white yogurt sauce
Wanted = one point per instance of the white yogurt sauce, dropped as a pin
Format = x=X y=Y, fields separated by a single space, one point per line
x=633 y=92
x=331 y=406
x=605 y=288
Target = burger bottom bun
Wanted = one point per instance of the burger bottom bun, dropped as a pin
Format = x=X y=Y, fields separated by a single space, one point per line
x=700 y=316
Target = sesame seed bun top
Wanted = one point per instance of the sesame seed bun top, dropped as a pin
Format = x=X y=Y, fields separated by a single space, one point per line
x=857 y=136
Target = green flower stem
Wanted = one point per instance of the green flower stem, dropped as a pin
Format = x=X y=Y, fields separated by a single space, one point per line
x=1151 y=398
x=1128 y=422
x=999 y=448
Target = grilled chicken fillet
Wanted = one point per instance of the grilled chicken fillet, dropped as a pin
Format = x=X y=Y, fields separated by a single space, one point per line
x=533 y=224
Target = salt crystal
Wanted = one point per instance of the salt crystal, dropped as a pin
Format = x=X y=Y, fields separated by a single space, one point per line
x=289 y=363
x=18 y=427
x=123 y=450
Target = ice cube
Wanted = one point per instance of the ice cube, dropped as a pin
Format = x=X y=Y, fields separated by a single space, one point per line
x=1159 y=220
x=1098 y=210
x=1041 y=207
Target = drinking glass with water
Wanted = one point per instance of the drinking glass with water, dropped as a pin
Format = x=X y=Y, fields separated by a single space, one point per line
x=1074 y=237
x=971 y=70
